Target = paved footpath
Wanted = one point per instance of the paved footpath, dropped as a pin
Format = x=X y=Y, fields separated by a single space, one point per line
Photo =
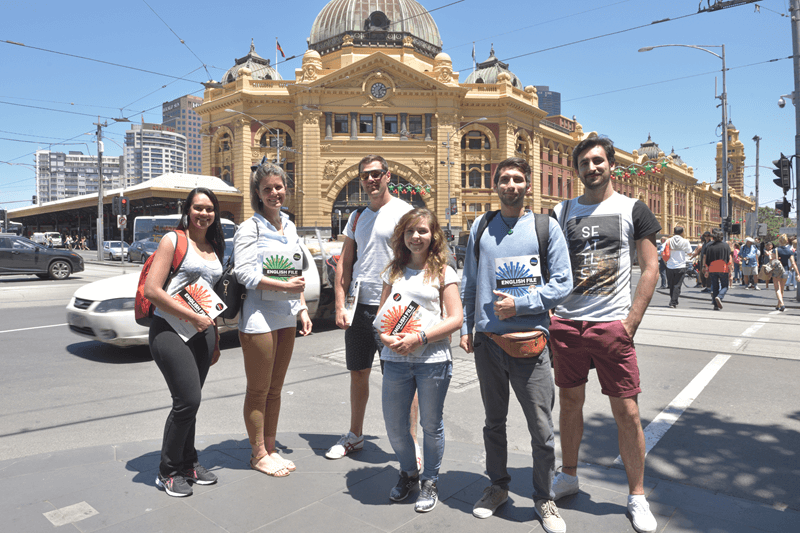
x=111 y=488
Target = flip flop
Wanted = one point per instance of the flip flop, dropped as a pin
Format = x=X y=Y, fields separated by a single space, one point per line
x=289 y=465
x=274 y=471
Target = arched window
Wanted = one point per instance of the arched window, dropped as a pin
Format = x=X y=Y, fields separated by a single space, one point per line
x=224 y=144
x=275 y=137
x=477 y=174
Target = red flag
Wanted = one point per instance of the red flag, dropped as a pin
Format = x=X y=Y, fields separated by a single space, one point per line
x=278 y=45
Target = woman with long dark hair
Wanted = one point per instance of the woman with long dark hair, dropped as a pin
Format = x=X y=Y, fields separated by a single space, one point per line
x=419 y=362
x=185 y=364
x=268 y=321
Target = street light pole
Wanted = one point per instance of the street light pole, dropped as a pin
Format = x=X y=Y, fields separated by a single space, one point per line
x=449 y=164
x=724 y=214
x=100 y=232
x=794 y=10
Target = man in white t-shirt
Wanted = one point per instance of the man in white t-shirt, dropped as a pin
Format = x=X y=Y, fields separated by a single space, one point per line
x=595 y=325
x=365 y=253
x=676 y=266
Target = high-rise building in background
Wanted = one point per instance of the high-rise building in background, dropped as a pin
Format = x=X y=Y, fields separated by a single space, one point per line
x=549 y=101
x=62 y=175
x=179 y=114
x=152 y=150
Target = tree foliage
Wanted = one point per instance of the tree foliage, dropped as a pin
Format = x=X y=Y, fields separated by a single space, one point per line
x=766 y=215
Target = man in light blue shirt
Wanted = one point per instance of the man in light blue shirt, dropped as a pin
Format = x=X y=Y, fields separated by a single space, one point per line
x=749 y=257
x=509 y=257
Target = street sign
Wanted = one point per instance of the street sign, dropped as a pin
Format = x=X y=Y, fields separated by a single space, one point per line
x=122 y=221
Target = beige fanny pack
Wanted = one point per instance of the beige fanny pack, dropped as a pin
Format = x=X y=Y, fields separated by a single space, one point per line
x=521 y=344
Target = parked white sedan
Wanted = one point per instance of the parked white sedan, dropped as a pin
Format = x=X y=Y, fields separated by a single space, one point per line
x=103 y=310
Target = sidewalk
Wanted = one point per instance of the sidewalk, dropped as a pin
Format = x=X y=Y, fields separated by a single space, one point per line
x=111 y=488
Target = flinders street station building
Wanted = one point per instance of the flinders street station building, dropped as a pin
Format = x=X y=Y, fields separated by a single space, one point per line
x=375 y=81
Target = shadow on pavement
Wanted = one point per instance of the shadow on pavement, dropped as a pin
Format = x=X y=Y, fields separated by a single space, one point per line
x=100 y=352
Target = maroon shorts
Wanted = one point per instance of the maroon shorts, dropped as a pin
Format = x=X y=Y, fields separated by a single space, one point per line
x=576 y=344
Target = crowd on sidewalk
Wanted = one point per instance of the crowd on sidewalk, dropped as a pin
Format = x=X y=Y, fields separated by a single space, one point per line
x=718 y=266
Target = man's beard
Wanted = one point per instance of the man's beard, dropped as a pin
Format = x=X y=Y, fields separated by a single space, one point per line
x=518 y=202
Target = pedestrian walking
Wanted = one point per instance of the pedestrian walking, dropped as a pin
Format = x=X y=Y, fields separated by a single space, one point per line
x=749 y=257
x=718 y=265
x=185 y=364
x=419 y=362
x=782 y=263
x=677 y=264
x=662 y=264
x=268 y=320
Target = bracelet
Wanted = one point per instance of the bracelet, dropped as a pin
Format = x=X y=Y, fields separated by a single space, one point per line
x=419 y=338
x=423 y=338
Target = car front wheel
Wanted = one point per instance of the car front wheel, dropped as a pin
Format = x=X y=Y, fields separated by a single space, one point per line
x=460 y=264
x=59 y=270
x=144 y=258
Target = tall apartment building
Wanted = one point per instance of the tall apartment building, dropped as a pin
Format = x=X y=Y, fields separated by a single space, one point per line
x=60 y=175
x=152 y=150
x=179 y=114
x=549 y=101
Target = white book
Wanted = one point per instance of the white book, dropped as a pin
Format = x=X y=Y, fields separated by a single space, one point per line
x=199 y=297
x=351 y=301
x=281 y=262
x=517 y=276
x=401 y=314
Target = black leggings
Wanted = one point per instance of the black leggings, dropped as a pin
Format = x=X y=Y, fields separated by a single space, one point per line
x=184 y=366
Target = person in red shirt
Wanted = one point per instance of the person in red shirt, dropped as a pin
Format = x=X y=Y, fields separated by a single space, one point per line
x=718 y=267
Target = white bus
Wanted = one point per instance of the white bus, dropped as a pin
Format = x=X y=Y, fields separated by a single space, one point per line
x=155 y=227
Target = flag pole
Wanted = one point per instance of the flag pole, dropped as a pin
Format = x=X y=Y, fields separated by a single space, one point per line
x=276 y=55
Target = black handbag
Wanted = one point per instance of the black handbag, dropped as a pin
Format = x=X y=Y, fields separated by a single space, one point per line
x=230 y=291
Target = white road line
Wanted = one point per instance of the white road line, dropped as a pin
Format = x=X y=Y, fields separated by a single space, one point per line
x=37 y=327
x=659 y=426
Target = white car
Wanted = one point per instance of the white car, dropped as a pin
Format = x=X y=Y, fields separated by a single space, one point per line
x=103 y=310
x=113 y=250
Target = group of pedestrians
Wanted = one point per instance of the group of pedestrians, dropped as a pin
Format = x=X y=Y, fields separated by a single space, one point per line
x=75 y=243
x=537 y=293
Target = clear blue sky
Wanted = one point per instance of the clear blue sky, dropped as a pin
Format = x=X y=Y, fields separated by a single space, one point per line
x=605 y=82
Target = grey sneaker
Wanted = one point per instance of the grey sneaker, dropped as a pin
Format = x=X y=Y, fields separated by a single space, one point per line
x=642 y=519
x=493 y=497
x=564 y=485
x=176 y=486
x=551 y=520
x=428 y=496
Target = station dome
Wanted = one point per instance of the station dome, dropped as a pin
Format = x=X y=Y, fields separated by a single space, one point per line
x=650 y=149
x=375 y=23
x=489 y=71
x=676 y=158
x=259 y=67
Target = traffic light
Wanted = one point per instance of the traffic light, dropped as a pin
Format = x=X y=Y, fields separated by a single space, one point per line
x=784 y=173
x=115 y=206
x=736 y=229
x=124 y=205
x=783 y=208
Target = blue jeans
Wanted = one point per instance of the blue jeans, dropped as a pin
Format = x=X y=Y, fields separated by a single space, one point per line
x=532 y=381
x=719 y=285
x=400 y=381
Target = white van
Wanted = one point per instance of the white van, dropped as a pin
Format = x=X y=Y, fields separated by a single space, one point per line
x=41 y=238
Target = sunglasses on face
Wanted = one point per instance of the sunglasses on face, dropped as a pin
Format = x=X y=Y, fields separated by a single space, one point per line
x=374 y=174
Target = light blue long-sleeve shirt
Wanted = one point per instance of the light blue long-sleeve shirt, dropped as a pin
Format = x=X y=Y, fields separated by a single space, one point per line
x=480 y=279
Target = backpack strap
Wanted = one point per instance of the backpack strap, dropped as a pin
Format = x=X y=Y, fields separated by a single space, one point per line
x=181 y=247
x=542 y=223
x=482 y=225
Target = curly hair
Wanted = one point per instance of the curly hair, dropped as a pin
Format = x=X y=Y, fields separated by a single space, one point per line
x=437 y=253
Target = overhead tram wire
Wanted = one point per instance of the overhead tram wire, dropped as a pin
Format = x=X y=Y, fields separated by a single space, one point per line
x=580 y=41
x=538 y=24
x=179 y=38
x=426 y=12
x=676 y=79
x=137 y=69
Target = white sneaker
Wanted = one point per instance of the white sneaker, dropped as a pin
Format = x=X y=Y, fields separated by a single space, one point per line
x=551 y=520
x=639 y=510
x=349 y=443
x=564 y=485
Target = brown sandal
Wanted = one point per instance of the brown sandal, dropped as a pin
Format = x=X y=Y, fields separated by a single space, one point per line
x=289 y=465
x=274 y=471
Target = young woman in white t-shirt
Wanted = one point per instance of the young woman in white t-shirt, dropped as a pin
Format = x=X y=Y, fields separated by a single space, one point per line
x=419 y=362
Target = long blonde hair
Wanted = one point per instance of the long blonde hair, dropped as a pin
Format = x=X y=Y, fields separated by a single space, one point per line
x=437 y=252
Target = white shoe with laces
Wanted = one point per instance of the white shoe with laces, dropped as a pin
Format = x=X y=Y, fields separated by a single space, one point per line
x=639 y=510
x=348 y=444
x=564 y=485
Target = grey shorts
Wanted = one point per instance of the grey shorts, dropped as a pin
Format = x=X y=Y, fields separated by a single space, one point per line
x=749 y=271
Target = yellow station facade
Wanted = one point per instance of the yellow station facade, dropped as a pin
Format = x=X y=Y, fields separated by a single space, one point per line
x=375 y=81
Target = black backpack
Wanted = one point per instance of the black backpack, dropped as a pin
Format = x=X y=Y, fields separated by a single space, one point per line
x=542 y=223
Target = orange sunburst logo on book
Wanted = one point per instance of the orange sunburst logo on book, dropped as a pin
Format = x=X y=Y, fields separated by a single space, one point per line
x=401 y=319
x=195 y=297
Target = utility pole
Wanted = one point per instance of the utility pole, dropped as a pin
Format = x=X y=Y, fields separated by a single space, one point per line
x=100 y=239
x=794 y=10
x=757 y=139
